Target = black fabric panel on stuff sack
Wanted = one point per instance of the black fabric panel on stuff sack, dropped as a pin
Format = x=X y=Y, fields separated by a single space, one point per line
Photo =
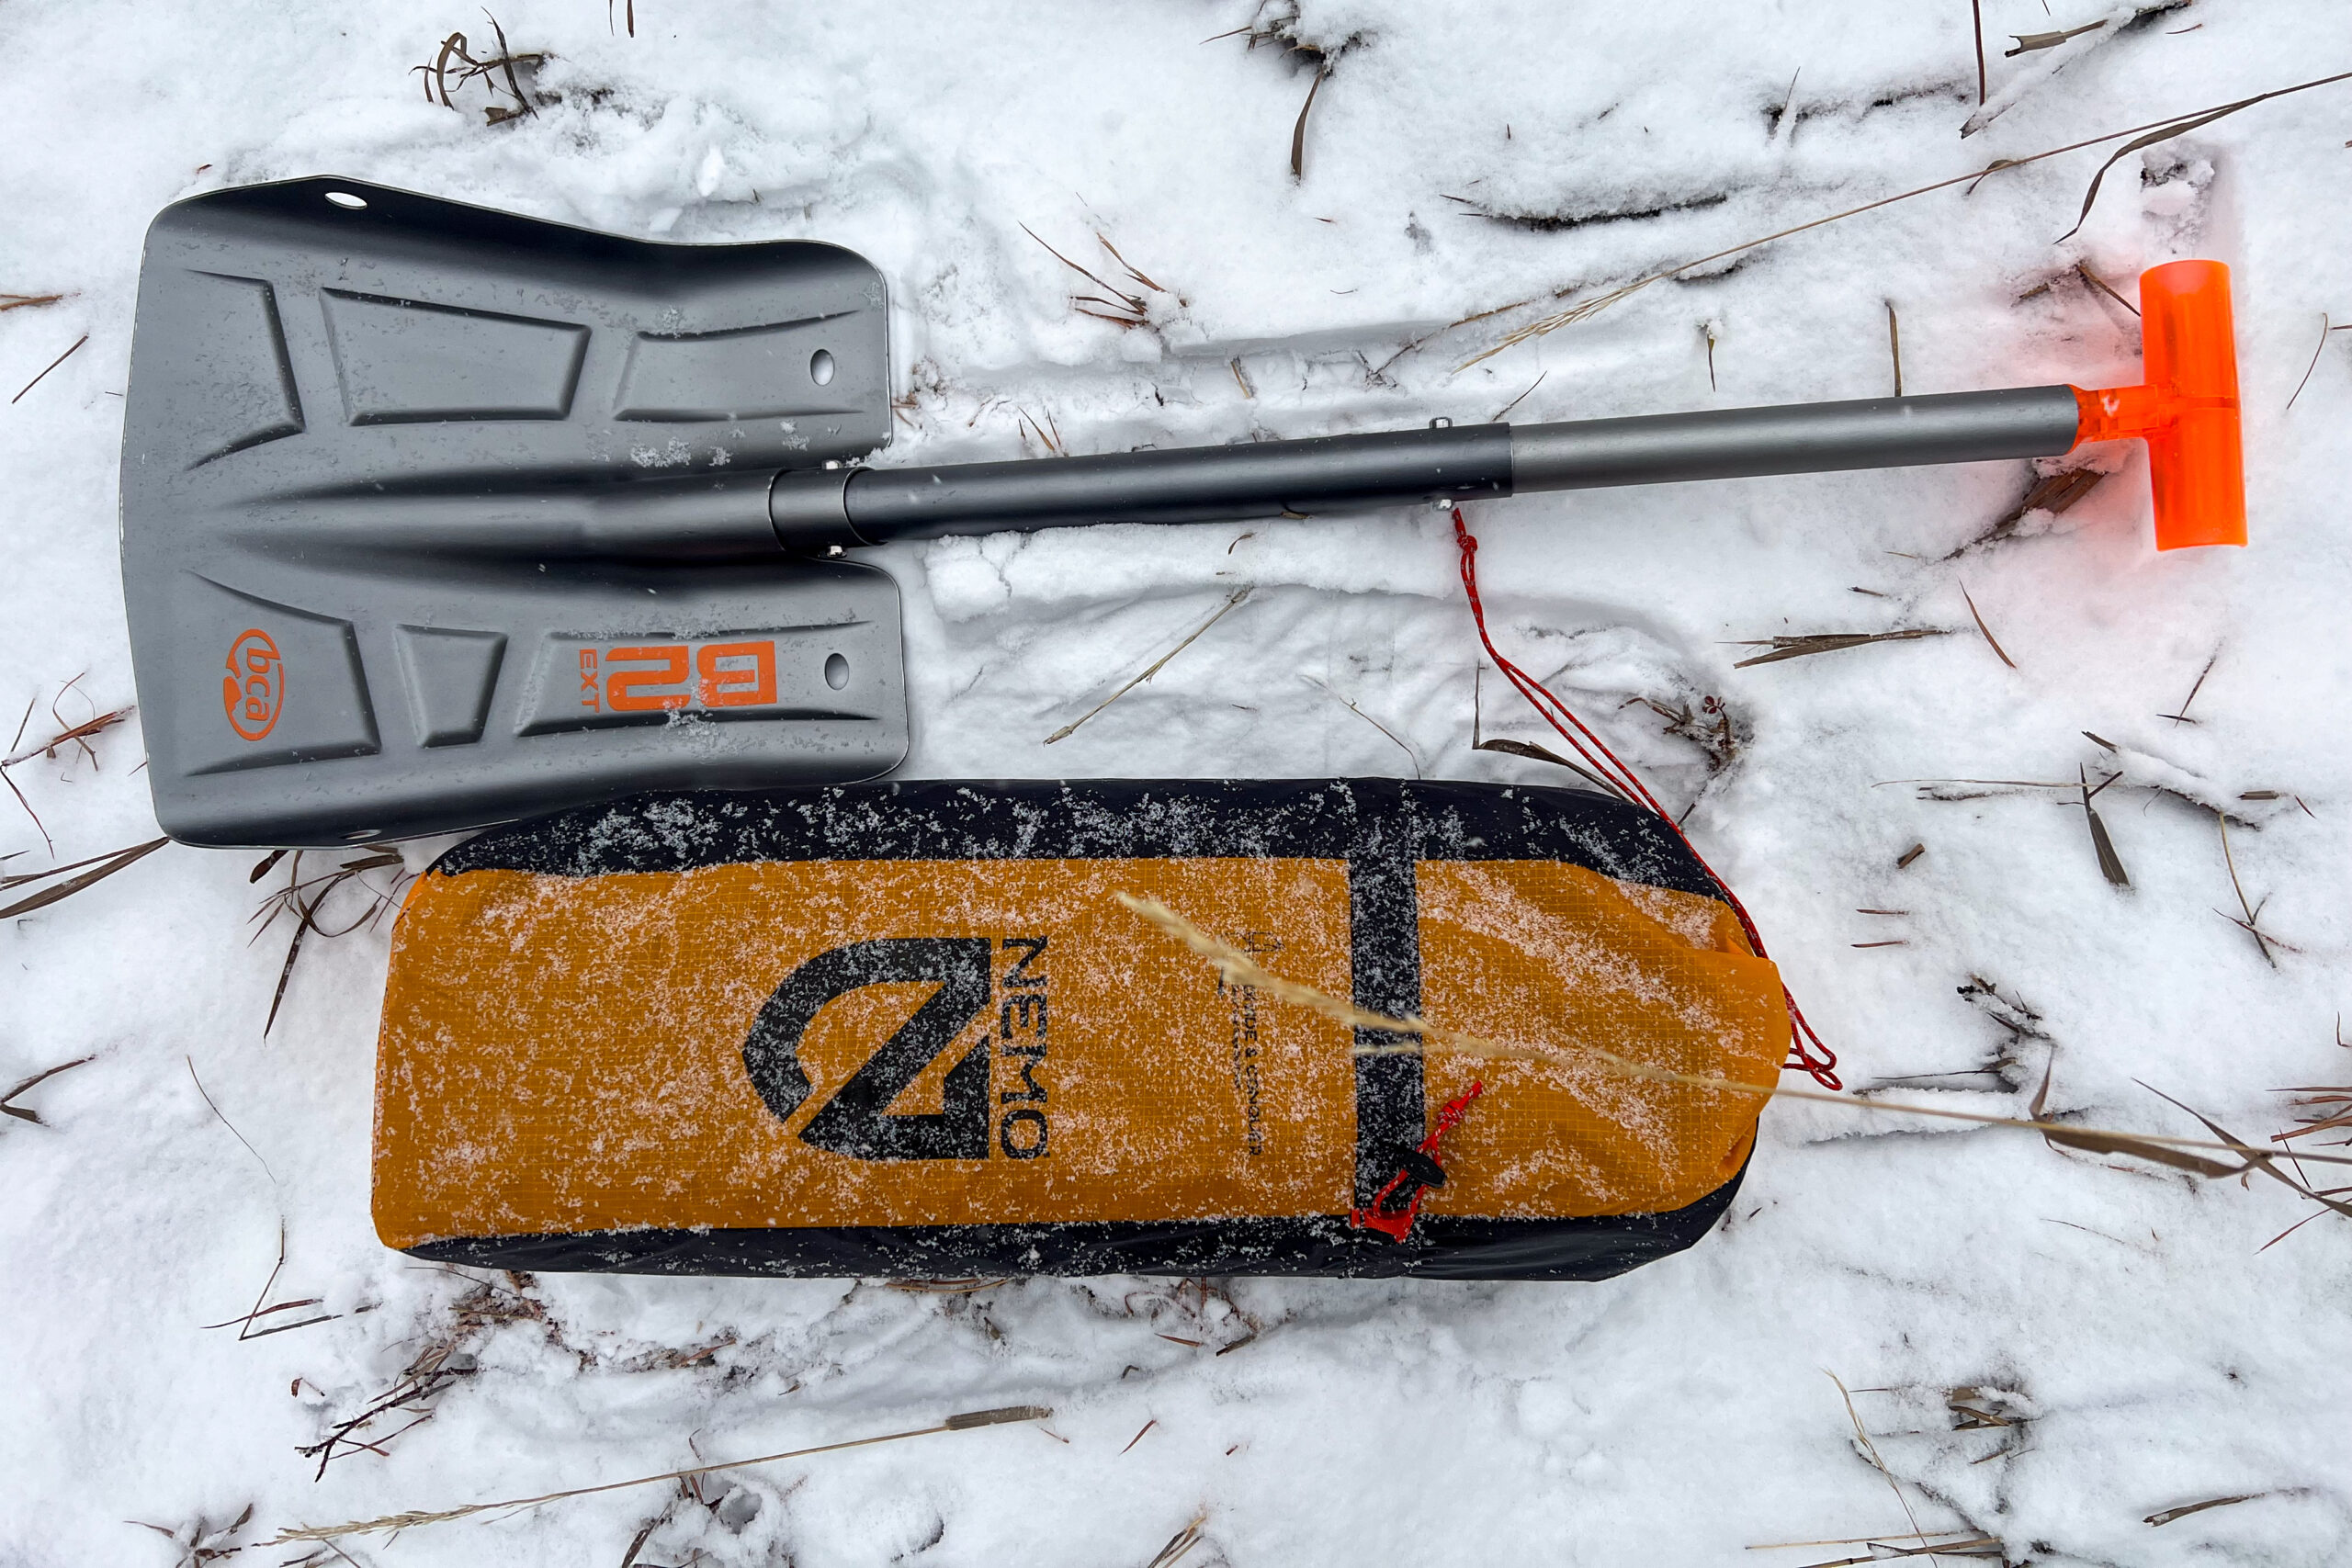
x=1440 y=1247
x=1097 y=819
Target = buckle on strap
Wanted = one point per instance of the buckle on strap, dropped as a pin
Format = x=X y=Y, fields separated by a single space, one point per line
x=1397 y=1203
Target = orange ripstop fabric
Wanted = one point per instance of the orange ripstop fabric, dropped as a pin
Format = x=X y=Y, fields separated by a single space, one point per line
x=567 y=1053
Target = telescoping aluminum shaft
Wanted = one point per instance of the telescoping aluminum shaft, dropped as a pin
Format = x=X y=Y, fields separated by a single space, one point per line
x=850 y=507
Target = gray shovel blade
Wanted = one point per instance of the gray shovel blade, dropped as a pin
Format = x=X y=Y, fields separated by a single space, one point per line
x=374 y=443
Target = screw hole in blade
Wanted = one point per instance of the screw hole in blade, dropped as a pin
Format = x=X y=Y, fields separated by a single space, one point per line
x=836 y=671
x=343 y=199
x=821 y=367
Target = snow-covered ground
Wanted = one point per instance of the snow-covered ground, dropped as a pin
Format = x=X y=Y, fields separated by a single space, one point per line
x=2125 y=1323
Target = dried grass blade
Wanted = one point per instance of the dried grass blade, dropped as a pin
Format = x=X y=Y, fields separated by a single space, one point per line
x=2028 y=42
x=2181 y=128
x=410 y=1521
x=1298 y=131
x=1990 y=640
x=2110 y=864
x=1158 y=665
x=1869 y=1450
x=2261 y=1159
x=2326 y=327
x=1539 y=753
x=1098 y=283
x=1133 y=271
x=286 y=973
x=21 y=1112
x=2166 y=1516
x=2096 y=281
x=1413 y=756
x=1833 y=642
x=63 y=890
x=2252 y=913
x=2140 y=1148
x=223 y=1117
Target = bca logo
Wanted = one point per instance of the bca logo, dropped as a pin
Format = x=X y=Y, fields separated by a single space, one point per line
x=254 y=688
x=856 y=1120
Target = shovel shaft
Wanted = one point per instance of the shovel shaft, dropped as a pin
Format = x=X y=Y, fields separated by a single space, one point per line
x=1798 y=438
x=854 y=507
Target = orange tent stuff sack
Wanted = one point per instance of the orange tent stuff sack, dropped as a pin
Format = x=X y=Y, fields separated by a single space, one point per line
x=909 y=1029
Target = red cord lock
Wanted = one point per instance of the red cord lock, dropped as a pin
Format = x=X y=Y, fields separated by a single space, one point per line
x=1421 y=1168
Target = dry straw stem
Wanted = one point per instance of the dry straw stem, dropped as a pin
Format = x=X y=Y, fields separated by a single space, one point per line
x=1971 y=1543
x=963 y=1422
x=2325 y=326
x=1976 y=15
x=1870 y=1451
x=1238 y=968
x=2182 y=716
x=1503 y=412
x=2250 y=925
x=1965 y=1544
x=214 y=1107
x=1585 y=308
x=1159 y=664
x=1410 y=755
x=945 y=1286
x=20 y=301
x=245 y=1325
x=2096 y=281
x=50 y=367
x=1183 y=1541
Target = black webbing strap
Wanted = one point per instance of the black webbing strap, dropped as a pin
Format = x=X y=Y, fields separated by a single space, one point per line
x=1384 y=920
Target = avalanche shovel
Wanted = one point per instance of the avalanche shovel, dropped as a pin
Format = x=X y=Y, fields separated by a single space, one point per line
x=434 y=517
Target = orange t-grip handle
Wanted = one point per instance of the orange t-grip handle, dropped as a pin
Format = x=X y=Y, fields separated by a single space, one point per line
x=2188 y=409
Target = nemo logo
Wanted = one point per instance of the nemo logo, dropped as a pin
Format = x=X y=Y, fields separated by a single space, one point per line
x=659 y=677
x=254 y=688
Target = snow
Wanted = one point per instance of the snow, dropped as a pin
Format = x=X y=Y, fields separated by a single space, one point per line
x=2155 y=1353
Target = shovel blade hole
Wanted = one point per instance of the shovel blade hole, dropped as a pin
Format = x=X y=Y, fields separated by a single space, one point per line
x=836 y=671
x=344 y=199
x=821 y=367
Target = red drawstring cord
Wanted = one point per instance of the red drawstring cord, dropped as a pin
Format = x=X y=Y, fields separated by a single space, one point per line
x=1818 y=1059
